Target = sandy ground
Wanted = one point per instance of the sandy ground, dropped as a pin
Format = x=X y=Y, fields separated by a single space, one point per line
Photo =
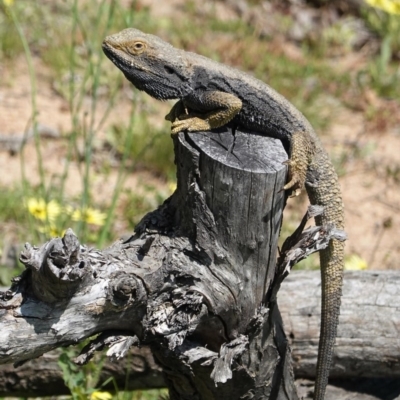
x=371 y=194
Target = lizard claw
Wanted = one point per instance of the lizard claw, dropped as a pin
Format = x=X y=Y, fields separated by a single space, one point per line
x=190 y=124
x=294 y=186
x=296 y=182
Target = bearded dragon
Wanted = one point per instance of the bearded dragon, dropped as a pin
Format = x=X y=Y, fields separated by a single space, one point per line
x=210 y=95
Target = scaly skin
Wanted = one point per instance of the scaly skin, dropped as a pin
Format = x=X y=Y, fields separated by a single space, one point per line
x=211 y=95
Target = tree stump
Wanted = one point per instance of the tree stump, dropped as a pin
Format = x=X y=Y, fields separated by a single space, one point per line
x=196 y=282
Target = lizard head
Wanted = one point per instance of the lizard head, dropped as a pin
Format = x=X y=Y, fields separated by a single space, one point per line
x=150 y=64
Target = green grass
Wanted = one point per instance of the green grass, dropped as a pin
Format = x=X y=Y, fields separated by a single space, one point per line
x=66 y=37
x=382 y=72
x=385 y=25
x=84 y=381
x=144 y=395
x=146 y=146
x=137 y=204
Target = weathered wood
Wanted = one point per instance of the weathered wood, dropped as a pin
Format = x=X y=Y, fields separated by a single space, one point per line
x=368 y=341
x=369 y=299
x=43 y=377
x=192 y=282
x=354 y=389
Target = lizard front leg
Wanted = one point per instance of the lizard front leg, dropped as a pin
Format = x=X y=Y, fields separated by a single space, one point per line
x=211 y=110
x=177 y=111
x=301 y=150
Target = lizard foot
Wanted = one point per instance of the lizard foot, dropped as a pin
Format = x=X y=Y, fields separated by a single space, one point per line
x=193 y=124
x=295 y=184
x=301 y=149
x=211 y=110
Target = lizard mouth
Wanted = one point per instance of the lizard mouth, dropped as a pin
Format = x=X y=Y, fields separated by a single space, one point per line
x=116 y=56
x=111 y=54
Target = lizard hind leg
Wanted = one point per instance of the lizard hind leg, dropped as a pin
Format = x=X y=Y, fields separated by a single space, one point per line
x=301 y=149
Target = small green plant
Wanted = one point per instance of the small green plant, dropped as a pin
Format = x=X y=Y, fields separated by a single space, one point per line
x=383 y=72
x=148 y=147
x=82 y=381
x=334 y=40
x=153 y=394
x=10 y=44
x=393 y=173
x=136 y=203
x=72 y=47
x=353 y=151
x=383 y=18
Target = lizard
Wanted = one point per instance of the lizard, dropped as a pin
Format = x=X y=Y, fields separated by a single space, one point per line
x=211 y=95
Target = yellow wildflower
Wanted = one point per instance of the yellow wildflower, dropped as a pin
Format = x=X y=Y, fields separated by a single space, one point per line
x=68 y=210
x=52 y=231
x=8 y=3
x=42 y=210
x=90 y=216
x=172 y=186
x=355 y=263
x=390 y=6
x=97 y=395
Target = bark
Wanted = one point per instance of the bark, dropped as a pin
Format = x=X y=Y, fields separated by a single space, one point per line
x=365 y=360
x=197 y=282
x=367 y=344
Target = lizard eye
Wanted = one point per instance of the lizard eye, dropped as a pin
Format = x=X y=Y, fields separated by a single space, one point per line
x=137 y=47
x=169 y=70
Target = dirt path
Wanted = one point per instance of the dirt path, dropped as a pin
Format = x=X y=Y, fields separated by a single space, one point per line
x=370 y=179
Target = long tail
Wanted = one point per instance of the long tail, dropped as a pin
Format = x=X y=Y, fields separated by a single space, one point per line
x=327 y=193
x=331 y=277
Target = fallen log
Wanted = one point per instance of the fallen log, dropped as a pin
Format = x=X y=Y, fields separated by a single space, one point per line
x=367 y=347
x=368 y=341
